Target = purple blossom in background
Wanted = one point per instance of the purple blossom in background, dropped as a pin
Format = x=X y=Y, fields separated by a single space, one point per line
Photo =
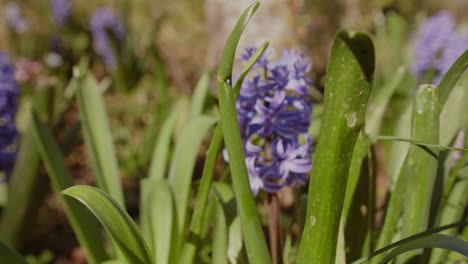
x=437 y=46
x=61 y=11
x=14 y=18
x=103 y=22
x=274 y=117
x=8 y=106
x=454 y=48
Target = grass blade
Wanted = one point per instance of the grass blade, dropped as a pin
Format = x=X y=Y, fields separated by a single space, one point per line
x=208 y=169
x=432 y=241
x=97 y=135
x=408 y=240
x=84 y=225
x=199 y=95
x=257 y=250
x=158 y=166
x=183 y=163
x=118 y=224
x=350 y=71
x=250 y=63
x=220 y=237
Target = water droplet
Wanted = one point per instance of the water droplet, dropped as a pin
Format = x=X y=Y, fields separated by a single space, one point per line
x=351 y=118
x=313 y=220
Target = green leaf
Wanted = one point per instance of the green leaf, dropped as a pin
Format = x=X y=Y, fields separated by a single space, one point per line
x=220 y=239
x=349 y=77
x=118 y=224
x=158 y=166
x=250 y=63
x=223 y=191
x=257 y=250
x=208 y=169
x=29 y=186
x=409 y=240
x=84 y=225
x=10 y=256
x=162 y=219
x=183 y=163
x=379 y=101
x=199 y=95
x=432 y=241
x=229 y=52
x=97 y=135
x=451 y=78
x=421 y=167
x=451 y=117
x=422 y=145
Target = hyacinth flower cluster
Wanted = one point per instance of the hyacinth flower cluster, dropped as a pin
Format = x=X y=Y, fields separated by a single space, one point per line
x=14 y=18
x=103 y=22
x=8 y=107
x=274 y=117
x=437 y=47
x=61 y=11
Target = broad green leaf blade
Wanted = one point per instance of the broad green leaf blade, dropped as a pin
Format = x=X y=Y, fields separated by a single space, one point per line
x=349 y=77
x=374 y=116
x=84 y=225
x=199 y=95
x=451 y=78
x=162 y=219
x=97 y=135
x=220 y=237
x=10 y=256
x=422 y=168
x=118 y=224
x=432 y=241
x=257 y=250
x=183 y=163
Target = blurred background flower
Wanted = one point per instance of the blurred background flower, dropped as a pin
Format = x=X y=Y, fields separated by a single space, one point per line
x=437 y=46
x=14 y=18
x=8 y=107
x=61 y=11
x=105 y=22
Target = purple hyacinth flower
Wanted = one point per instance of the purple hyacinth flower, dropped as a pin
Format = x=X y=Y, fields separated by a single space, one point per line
x=103 y=21
x=273 y=114
x=61 y=11
x=431 y=38
x=14 y=18
x=8 y=107
x=283 y=115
